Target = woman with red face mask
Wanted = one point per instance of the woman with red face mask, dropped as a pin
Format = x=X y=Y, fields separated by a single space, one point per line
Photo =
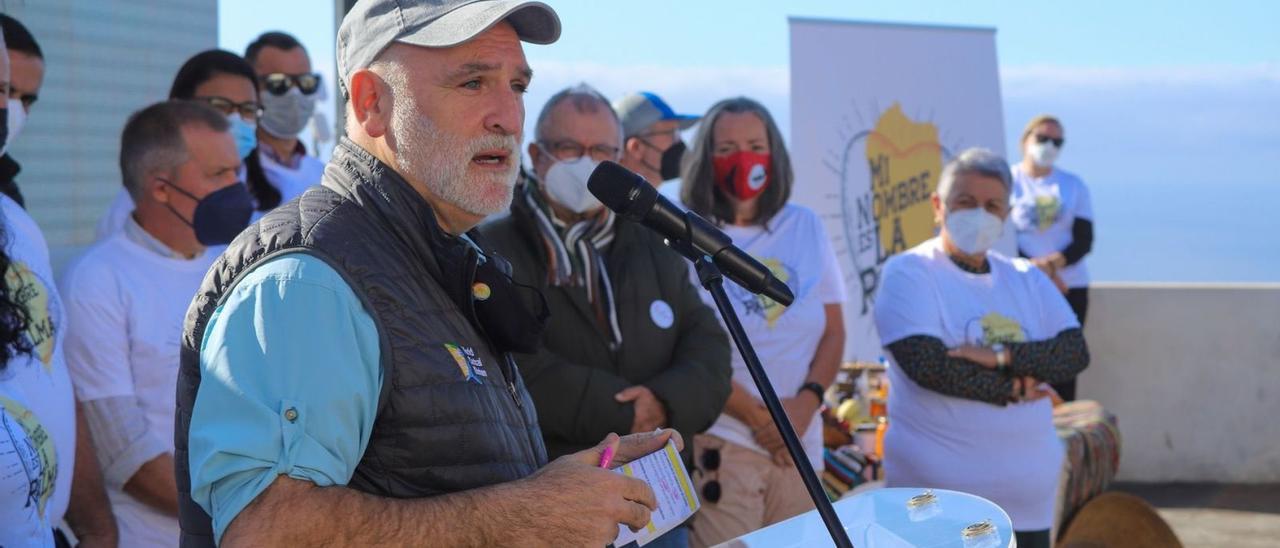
x=738 y=174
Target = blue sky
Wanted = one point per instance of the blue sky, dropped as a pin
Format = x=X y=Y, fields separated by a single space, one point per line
x=1160 y=95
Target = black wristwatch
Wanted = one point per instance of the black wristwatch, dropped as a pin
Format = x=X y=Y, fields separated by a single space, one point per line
x=817 y=390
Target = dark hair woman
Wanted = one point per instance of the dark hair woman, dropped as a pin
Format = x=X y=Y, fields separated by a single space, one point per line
x=738 y=174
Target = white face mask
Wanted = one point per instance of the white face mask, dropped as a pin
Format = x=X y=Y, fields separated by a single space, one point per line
x=973 y=230
x=285 y=116
x=17 y=119
x=1043 y=154
x=566 y=183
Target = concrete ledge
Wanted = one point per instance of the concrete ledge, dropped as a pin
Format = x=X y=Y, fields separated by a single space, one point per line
x=1192 y=371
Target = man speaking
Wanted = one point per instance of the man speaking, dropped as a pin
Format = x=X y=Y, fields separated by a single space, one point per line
x=346 y=374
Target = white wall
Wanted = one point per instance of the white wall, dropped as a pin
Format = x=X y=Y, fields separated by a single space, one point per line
x=104 y=59
x=1193 y=374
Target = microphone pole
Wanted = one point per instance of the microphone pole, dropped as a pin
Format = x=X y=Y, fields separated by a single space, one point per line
x=712 y=279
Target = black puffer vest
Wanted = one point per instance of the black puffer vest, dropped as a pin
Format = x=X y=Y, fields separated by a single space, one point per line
x=441 y=427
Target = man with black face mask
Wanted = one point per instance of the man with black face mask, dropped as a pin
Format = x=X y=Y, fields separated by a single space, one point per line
x=280 y=168
x=126 y=298
x=651 y=133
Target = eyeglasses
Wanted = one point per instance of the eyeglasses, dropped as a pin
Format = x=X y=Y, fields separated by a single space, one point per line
x=710 y=462
x=249 y=110
x=569 y=151
x=278 y=83
x=1042 y=139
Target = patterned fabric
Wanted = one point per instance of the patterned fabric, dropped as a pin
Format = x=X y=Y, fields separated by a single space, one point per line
x=925 y=360
x=985 y=268
x=1092 y=441
x=573 y=253
x=1058 y=359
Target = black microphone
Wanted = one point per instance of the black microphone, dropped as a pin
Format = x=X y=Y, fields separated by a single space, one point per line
x=631 y=196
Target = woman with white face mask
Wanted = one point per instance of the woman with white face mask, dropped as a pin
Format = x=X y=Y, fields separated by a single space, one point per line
x=1054 y=218
x=973 y=337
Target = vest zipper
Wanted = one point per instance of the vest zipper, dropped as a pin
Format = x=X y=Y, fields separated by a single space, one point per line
x=509 y=373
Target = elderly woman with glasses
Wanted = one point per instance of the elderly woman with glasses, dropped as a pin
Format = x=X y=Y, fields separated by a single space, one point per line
x=738 y=174
x=972 y=337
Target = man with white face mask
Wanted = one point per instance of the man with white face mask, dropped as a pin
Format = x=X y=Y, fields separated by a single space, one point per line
x=628 y=336
x=26 y=76
x=280 y=168
x=972 y=336
x=1053 y=214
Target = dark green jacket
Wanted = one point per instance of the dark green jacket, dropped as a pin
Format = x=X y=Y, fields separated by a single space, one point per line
x=574 y=377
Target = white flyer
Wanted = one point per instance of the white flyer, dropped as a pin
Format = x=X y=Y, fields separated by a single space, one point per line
x=665 y=473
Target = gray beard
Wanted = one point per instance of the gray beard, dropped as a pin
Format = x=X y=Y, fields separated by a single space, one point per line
x=440 y=160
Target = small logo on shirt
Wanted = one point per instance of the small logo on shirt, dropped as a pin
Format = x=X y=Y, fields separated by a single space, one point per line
x=37 y=458
x=760 y=305
x=997 y=328
x=1047 y=209
x=30 y=292
x=471 y=367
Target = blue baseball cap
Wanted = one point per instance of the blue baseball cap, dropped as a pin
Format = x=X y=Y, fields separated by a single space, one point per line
x=640 y=110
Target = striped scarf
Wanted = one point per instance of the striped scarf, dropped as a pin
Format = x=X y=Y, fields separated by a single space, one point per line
x=574 y=256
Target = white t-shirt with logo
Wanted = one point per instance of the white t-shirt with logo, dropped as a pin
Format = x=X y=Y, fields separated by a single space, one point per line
x=23 y=512
x=1010 y=455
x=1044 y=210
x=35 y=390
x=797 y=250
x=126 y=305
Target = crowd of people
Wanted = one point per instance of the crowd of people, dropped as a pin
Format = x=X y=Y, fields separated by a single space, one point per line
x=436 y=336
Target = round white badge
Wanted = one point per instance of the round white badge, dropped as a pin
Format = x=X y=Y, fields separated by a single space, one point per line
x=662 y=314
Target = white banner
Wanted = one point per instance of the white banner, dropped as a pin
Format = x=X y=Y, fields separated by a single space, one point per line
x=876 y=111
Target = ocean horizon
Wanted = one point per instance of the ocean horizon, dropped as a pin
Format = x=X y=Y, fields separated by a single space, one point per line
x=1184 y=232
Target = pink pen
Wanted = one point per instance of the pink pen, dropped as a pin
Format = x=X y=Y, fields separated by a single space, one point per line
x=606 y=458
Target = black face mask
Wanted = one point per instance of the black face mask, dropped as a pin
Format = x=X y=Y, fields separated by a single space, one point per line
x=500 y=305
x=671 y=161
x=669 y=166
x=4 y=125
x=220 y=216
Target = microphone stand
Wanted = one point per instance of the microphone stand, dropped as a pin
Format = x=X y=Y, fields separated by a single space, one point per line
x=712 y=279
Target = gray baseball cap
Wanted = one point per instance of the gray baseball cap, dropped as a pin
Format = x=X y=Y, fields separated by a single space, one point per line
x=372 y=25
x=640 y=110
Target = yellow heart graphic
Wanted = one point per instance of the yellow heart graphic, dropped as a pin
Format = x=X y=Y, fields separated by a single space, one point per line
x=906 y=160
x=31 y=293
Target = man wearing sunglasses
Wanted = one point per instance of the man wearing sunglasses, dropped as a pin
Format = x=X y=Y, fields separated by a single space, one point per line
x=26 y=75
x=281 y=169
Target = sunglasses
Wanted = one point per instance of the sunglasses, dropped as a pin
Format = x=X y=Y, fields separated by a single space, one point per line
x=278 y=83
x=1057 y=141
x=710 y=462
x=249 y=110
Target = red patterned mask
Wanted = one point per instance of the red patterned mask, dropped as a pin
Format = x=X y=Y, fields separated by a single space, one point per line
x=743 y=174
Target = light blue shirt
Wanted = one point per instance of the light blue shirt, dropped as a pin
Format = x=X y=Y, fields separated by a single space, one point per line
x=290 y=382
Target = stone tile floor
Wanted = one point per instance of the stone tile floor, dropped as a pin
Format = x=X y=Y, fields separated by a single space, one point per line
x=1212 y=515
